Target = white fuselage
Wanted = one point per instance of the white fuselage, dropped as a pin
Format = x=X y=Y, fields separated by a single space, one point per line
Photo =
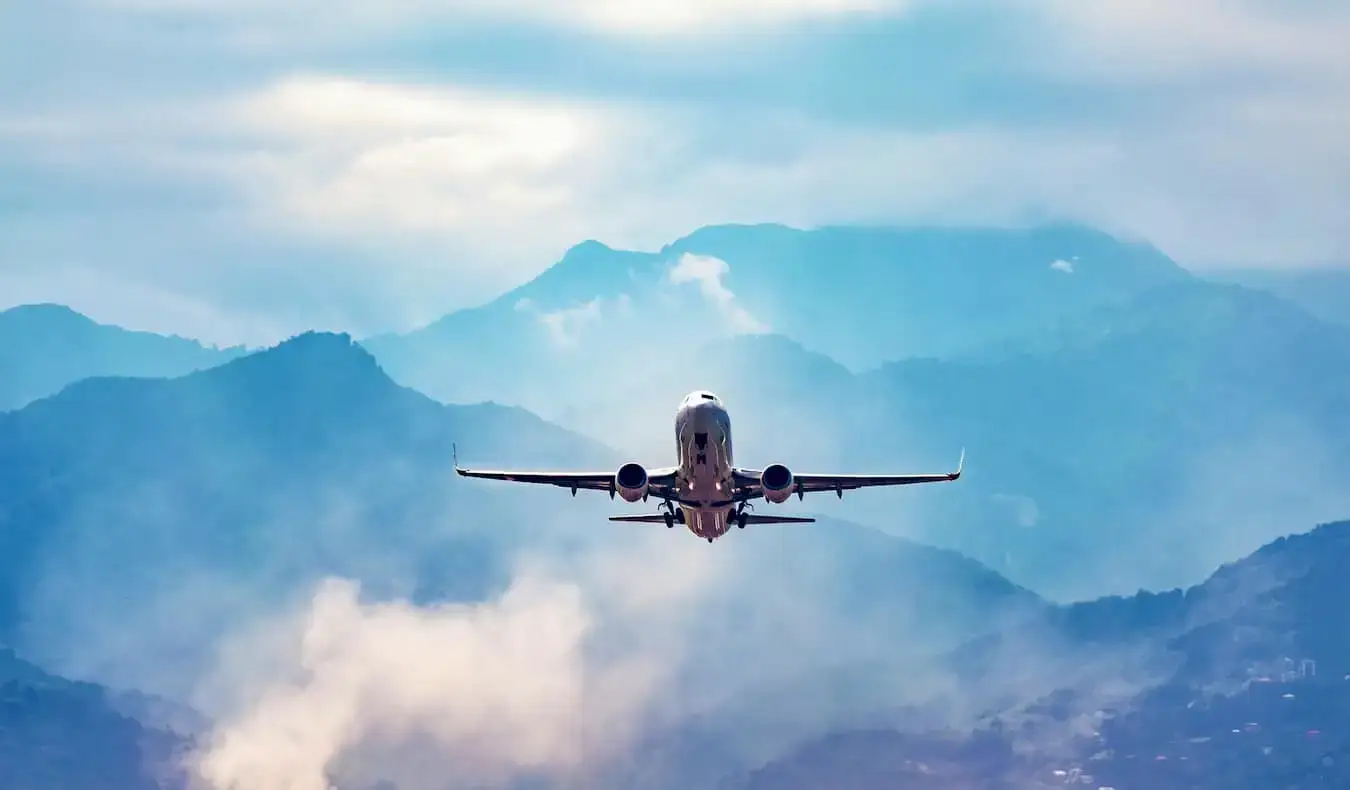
x=704 y=458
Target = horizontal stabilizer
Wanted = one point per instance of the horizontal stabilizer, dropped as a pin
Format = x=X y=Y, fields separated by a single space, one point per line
x=749 y=519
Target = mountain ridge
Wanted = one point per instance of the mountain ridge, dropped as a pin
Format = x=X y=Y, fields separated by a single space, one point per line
x=45 y=347
x=861 y=295
x=1110 y=434
x=1221 y=702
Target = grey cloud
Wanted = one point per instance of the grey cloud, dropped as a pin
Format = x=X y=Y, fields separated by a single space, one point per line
x=986 y=115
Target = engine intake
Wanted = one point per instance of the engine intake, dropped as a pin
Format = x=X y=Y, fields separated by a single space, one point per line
x=776 y=481
x=631 y=482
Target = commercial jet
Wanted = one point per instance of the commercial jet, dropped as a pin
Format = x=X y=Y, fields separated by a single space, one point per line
x=705 y=490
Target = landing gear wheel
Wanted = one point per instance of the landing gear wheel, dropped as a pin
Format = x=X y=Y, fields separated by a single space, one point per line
x=741 y=518
x=710 y=540
x=670 y=521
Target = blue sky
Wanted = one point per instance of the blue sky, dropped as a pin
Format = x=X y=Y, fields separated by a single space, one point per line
x=238 y=170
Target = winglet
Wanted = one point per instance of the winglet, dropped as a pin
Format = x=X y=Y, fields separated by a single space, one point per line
x=454 y=457
x=960 y=464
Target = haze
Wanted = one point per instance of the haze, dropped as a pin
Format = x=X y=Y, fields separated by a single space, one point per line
x=262 y=265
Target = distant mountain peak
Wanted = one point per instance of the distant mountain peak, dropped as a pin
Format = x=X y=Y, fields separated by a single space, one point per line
x=315 y=341
x=42 y=308
x=48 y=315
x=314 y=368
x=587 y=247
x=301 y=356
x=46 y=347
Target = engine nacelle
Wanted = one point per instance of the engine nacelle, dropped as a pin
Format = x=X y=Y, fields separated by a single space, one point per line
x=631 y=482
x=777 y=483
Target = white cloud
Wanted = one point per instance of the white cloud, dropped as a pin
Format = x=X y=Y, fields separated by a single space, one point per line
x=565 y=326
x=309 y=18
x=364 y=160
x=1224 y=144
x=442 y=194
x=1171 y=42
x=1061 y=265
x=708 y=272
x=382 y=670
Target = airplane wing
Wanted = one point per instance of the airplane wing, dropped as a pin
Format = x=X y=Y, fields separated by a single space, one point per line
x=659 y=481
x=809 y=483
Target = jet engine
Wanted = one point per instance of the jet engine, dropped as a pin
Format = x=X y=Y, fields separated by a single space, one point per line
x=631 y=482
x=776 y=480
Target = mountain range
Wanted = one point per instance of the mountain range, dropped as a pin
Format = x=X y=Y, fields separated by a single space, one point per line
x=1322 y=291
x=1105 y=410
x=171 y=517
x=860 y=295
x=270 y=470
x=44 y=347
x=1106 y=396
x=57 y=734
x=1103 y=451
x=224 y=496
x=1249 y=691
x=1219 y=669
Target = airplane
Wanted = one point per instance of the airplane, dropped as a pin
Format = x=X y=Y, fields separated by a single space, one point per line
x=710 y=491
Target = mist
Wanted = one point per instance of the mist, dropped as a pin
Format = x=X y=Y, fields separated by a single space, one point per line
x=581 y=668
x=307 y=572
x=534 y=682
x=596 y=651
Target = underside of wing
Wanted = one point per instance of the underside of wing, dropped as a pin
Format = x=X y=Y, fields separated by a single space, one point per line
x=752 y=518
x=659 y=481
x=751 y=488
x=809 y=483
x=594 y=481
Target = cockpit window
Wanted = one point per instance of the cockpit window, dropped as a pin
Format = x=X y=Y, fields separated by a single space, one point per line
x=709 y=396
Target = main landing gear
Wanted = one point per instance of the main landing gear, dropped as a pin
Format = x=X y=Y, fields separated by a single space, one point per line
x=740 y=515
x=670 y=515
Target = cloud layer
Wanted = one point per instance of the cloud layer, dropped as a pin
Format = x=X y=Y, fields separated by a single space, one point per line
x=375 y=166
x=607 y=17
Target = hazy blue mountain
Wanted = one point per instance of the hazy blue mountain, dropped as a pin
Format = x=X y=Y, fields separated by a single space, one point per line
x=862 y=295
x=143 y=518
x=174 y=510
x=1247 y=691
x=56 y=734
x=1260 y=616
x=178 y=509
x=1138 y=444
x=1130 y=446
x=45 y=347
x=869 y=295
x=1324 y=292
x=143 y=501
